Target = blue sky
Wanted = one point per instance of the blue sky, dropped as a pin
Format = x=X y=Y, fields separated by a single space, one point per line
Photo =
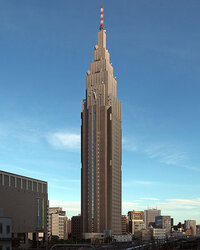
x=46 y=48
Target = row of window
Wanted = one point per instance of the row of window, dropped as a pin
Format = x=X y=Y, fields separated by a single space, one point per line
x=22 y=183
x=2 y=229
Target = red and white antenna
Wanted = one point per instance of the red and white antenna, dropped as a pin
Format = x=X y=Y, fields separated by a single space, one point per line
x=101 y=23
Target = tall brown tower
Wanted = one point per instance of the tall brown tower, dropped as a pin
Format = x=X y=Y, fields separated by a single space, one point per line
x=101 y=145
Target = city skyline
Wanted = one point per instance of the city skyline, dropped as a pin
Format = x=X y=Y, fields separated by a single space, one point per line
x=154 y=47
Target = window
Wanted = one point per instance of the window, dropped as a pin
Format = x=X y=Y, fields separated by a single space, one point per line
x=1 y=228
x=8 y=229
x=6 y=180
x=23 y=183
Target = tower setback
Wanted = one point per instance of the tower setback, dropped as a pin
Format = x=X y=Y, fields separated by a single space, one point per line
x=101 y=145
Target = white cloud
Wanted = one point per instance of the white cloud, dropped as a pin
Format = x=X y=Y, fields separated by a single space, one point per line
x=146 y=183
x=129 y=145
x=129 y=206
x=133 y=183
x=164 y=153
x=63 y=140
x=149 y=198
x=195 y=168
x=180 y=204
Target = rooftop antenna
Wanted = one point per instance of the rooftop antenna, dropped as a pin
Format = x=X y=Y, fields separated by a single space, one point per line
x=101 y=23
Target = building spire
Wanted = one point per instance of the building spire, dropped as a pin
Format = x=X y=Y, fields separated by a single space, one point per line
x=101 y=23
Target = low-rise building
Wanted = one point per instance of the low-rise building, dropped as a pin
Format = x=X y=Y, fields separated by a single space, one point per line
x=5 y=232
x=122 y=238
x=178 y=234
x=158 y=233
x=24 y=200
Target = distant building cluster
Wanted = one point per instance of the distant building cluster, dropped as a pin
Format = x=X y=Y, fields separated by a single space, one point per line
x=26 y=219
x=151 y=225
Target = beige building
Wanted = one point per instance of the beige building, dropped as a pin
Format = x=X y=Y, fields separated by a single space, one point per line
x=136 y=215
x=58 y=223
x=101 y=145
x=190 y=227
x=136 y=221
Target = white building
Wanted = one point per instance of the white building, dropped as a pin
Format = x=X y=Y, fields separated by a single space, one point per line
x=58 y=223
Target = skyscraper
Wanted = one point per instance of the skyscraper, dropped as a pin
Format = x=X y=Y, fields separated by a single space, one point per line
x=150 y=215
x=101 y=145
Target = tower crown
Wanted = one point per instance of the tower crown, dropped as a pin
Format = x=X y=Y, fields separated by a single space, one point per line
x=101 y=19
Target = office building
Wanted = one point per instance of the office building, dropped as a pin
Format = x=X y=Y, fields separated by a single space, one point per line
x=163 y=222
x=76 y=227
x=101 y=145
x=190 y=227
x=136 y=221
x=198 y=230
x=58 y=223
x=150 y=215
x=24 y=200
x=136 y=215
x=124 y=224
x=137 y=226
